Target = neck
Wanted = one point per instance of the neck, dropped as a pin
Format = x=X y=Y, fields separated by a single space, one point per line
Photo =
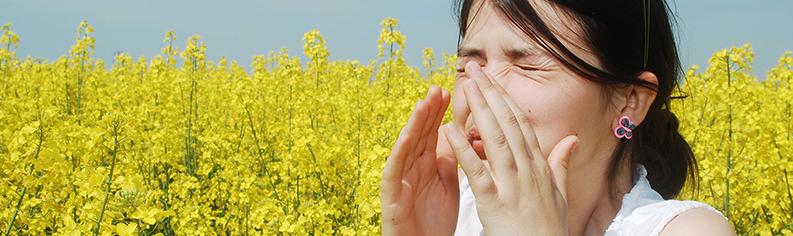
x=592 y=202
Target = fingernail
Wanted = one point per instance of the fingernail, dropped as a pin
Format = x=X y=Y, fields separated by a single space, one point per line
x=473 y=68
x=575 y=144
x=430 y=90
x=448 y=128
x=451 y=129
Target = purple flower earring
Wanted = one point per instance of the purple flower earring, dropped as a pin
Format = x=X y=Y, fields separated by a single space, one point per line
x=625 y=128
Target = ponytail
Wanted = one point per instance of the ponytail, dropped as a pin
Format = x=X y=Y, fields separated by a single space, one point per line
x=658 y=146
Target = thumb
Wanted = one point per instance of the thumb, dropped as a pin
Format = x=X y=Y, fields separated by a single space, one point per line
x=448 y=173
x=446 y=160
x=443 y=148
x=558 y=161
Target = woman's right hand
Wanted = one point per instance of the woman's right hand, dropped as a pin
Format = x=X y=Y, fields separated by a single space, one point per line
x=420 y=193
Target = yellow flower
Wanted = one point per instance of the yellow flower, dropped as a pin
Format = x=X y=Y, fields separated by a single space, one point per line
x=147 y=216
x=123 y=229
x=297 y=147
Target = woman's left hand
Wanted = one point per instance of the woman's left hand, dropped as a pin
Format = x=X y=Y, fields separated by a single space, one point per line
x=524 y=193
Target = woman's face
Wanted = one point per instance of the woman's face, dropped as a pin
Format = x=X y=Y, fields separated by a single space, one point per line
x=557 y=101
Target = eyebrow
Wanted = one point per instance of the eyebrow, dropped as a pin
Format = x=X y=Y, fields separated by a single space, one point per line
x=512 y=53
x=470 y=52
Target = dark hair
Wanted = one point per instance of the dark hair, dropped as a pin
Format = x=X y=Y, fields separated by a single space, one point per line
x=615 y=32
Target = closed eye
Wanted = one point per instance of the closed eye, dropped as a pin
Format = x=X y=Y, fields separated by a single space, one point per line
x=524 y=67
x=462 y=69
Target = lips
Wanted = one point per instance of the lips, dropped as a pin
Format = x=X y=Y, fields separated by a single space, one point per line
x=474 y=134
x=476 y=143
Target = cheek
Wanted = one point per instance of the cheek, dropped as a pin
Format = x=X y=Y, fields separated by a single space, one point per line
x=557 y=108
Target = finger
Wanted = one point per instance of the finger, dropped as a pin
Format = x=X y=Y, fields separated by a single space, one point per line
x=558 y=161
x=447 y=162
x=526 y=128
x=404 y=144
x=426 y=127
x=443 y=149
x=479 y=177
x=432 y=141
x=447 y=170
x=428 y=158
x=529 y=136
x=497 y=148
x=495 y=97
x=434 y=102
x=392 y=172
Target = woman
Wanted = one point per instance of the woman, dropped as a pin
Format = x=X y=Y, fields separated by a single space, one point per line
x=561 y=127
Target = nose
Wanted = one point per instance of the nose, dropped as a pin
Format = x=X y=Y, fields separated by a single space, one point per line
x=493 y=70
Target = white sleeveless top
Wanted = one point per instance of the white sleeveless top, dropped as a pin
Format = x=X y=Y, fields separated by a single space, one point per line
x=643 y=210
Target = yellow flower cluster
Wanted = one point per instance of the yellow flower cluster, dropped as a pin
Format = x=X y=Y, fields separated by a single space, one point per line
x=8 y=40
x=390 y=36
x=181 y=145
x=740 y=129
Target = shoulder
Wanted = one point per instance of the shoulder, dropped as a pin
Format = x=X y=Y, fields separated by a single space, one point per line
x=645 y=212
x=698 y=221
x=669 y=217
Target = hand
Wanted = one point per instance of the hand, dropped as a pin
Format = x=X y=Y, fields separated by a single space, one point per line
x=522 y=193
x=420 y=192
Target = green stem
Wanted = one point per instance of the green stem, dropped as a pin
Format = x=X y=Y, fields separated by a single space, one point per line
x=16 y=211
x=116 y=128
x=729 y=149
x=263 y=164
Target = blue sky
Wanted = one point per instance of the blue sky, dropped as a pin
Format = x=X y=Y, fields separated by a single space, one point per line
x=242 y=29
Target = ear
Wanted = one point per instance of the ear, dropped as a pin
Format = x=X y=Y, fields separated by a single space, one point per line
x=638 y=100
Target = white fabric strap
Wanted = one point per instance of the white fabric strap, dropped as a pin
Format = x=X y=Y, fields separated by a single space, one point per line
x=643 y=210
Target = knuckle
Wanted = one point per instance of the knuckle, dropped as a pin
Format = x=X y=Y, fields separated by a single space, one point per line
x=546 y=170
x=512 y=120
x=499 y=139
x=534 y=180
x=558 y=163
x=523 y=118
x=543 y=172
x=488 y=188
x=488 y=86
x=480 y=172
x=511 y=165
x=464 y=149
